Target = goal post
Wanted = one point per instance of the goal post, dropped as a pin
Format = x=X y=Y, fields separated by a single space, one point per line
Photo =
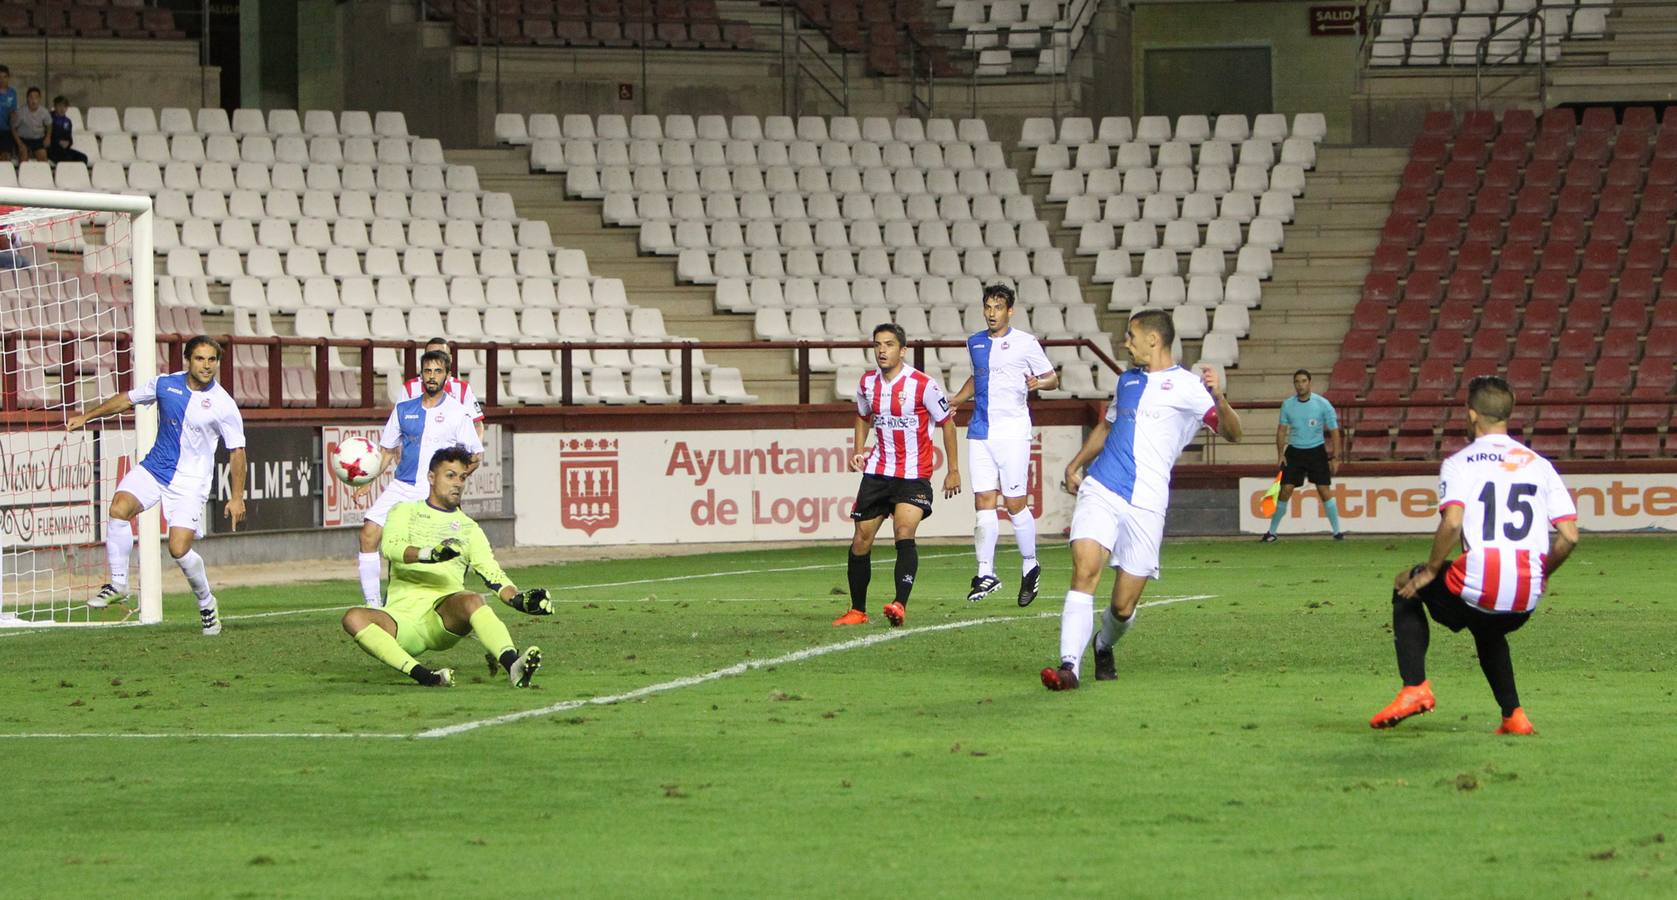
x=77 y=284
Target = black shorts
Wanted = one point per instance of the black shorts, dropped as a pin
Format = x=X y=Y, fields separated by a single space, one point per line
x=1302 y=463
x=1447 y=608
x=879 y=495
x=33 y=145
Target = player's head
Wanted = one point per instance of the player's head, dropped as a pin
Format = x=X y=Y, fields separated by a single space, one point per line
x=998 y=307
x=1490 y=404
x=32 y=97
x=5 y=75
x=433 y=371
x=1149 y=334
x=448 y=476
x=1301 y=383
x=888 y=341
x=203 y=359
x=60 y=104
x=438 y=344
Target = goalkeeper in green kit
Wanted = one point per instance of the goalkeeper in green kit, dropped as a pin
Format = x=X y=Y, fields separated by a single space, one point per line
x=430 y=545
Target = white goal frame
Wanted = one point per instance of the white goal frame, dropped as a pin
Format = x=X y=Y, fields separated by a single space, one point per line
x=144 y=353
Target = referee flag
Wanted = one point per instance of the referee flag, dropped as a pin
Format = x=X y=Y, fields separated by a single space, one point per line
x=1266 y=506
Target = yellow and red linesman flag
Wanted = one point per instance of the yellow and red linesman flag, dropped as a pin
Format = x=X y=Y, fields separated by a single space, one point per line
x=1266 y=506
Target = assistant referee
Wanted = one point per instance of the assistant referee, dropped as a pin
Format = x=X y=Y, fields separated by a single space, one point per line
x=1308 y=443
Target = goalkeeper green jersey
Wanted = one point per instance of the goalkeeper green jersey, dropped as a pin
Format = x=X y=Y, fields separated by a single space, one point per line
x=416 y=587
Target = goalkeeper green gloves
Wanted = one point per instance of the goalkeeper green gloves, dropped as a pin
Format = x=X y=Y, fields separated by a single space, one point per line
x=443 y=552
x=533 y=602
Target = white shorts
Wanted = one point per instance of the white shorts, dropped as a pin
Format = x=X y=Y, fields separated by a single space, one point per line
x=1000 y=464
x=183 y=502
x=395 y=492
x=1130 y=534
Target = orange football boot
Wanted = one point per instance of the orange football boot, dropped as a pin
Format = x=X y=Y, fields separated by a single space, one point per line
x=1411 y=701
x=852 y=617
x=894 y=613
x=1516 y=723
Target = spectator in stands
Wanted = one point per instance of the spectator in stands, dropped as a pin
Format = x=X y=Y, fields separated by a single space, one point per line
x=8 y=105
x=60 y=148
x=31 y=125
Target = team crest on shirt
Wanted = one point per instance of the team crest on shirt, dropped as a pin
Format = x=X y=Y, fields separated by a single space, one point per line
x=206 y=403
x=454 y=526
x=439 y=418
x=1165 y=385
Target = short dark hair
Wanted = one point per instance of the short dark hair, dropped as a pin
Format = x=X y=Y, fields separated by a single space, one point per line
x=456 y=453
x=999 y=290
x=1298 y=372
x=434 y=356
x=33 y=90
x=894 y=328
x=199 y=341
x=1157 y=321
x=1491 y=397
x=5 y=70
x=59 y=99
x=437 y=340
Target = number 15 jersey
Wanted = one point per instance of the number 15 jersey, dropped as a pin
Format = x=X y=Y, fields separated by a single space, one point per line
x=1509 y=497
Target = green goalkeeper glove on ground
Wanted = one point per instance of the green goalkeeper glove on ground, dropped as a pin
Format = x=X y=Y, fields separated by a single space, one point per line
x=532 y=602
x=443 y=552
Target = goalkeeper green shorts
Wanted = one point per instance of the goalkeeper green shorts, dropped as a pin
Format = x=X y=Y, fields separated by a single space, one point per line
x=424 y=631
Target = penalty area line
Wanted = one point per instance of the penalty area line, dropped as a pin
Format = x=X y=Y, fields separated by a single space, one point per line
x=741 y=668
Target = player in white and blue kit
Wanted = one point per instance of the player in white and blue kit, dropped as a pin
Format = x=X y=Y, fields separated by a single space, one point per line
x=416 y=429
x=1155 y=413
x=1007 y=364
x=194 y=416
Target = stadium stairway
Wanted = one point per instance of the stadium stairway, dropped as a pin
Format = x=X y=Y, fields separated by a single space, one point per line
x=1307 y=304
x=1631 y=63
x=688 y=310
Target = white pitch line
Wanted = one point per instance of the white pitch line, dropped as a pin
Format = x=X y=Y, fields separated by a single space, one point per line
x=741 y=668
x=226 y=735
x=698 y=575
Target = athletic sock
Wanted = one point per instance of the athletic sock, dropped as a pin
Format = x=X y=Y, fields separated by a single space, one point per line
x=1498 y=668
x=1112 y=628
x=861 y=570
x=1077 y=622
x=423 y=675
x=1280 y=512
x=489 y=631
x=192 y=566
x=119 y=543
x=1024 y=533
x=908 y=565
x=368 y=565
x=508 y=657
x=1410 y=636
x=984 y=541
x=382 y=646
x=1332 y=507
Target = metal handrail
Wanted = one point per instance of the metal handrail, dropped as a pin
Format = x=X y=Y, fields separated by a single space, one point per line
x=1482 y=52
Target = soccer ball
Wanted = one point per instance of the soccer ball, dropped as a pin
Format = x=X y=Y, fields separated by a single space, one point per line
x=356 y=461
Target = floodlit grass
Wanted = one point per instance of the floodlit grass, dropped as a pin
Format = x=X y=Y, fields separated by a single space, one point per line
x=1231 y=758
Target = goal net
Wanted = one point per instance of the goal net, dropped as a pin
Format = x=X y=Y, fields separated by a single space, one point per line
x=77 y=324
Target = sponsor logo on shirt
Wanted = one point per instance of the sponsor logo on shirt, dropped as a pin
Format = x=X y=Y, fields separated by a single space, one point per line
x=884 y=421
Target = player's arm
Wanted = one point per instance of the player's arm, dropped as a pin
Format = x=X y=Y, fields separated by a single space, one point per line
x=952 y=452
x=1282 y=430
x=237 y=466
x=1228 y=421
x=966 y=392
x=1561 y=544
x=1044 y=382
x=1336 y=449
x=533 y=602
x=115 y=403
x=1445 y=541
x=859 y=457
x=1091 y=449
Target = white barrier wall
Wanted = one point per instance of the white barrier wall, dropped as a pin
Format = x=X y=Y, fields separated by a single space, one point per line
x=1410 y=504
x=664 y=487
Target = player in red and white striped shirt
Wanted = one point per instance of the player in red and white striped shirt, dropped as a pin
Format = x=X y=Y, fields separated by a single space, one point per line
x=454 y=387
x=1498 y=500
x=901 y=404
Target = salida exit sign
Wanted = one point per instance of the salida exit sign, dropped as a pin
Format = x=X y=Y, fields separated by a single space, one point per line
x=1335 y=21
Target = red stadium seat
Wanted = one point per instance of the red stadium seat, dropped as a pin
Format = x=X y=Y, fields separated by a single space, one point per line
x=1661 y=343
x=1607 y=225
x=1411 y=203
x=1460 y=174
x=1602 y=256
x=1632 y=150
x=1360 y=346
x=1520 y=122
x=1593 y=287
x=1400 y=346
x=1618 y=200
x=1470 y=150
x=1401 y=231
x=1436 y=379
x=1640 y=119
x=1510 y=148
x=1611 y=379
x=1639 y=444
x=1551 y=286
x=1420 y=175
x=1439 y=123
x=1506 y=287
x=1519 y=258
x=1559 y=257
x=1489 y=345
x=1534 y=200
x=1381 y=287
x=1486 y=225
x=1593 y=445
x=1474 y=368
x=1629 y=314
x=1453 y=202
x=1647 y=254
x=1475 y=258
x=1576 y=198
x=1586 y=313
x=1434 y=259
x=1525 y=376
x=1465 y=291
x=1391 y=259
x=1636 y=285
x=1415 y=446
x=1568 y=227
x=1559 y=120
x=1651 y=225
x=1662 y=172
x=1375 y=445
x=1552 y=444
x=1576 y=345
x=1595 y=148
x=1555 y=149
x=1424 y=288
x=1496 y=202
x=1479 y=123
x=1371 y=315
x=1377 y=419
x=1501 y=175
x=1664 y=312
x=1442 y=229
x=1349 y=376
x=1542 y=317
x=1413 y=315
x=1447 y=346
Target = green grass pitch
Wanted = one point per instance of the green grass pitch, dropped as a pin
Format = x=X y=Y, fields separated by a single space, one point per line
x=1232 y=758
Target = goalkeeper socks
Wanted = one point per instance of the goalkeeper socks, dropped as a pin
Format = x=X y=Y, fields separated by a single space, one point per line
x=1112 y=628
x=1333 y=514
x=861 y=570
x=908 y=565
x=508 y=657
x=424 y=676
x=490 y=632
x=1024 y=533
x=1077 y=622
x=119 y=543
x=382 y=646
x=1280 y=512
x=192 y=566
x=367 y=564
x=984 y=541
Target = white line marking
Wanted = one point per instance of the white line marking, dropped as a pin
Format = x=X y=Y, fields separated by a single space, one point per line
x=228 y=735
x=743 y=667
x=697 y=575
